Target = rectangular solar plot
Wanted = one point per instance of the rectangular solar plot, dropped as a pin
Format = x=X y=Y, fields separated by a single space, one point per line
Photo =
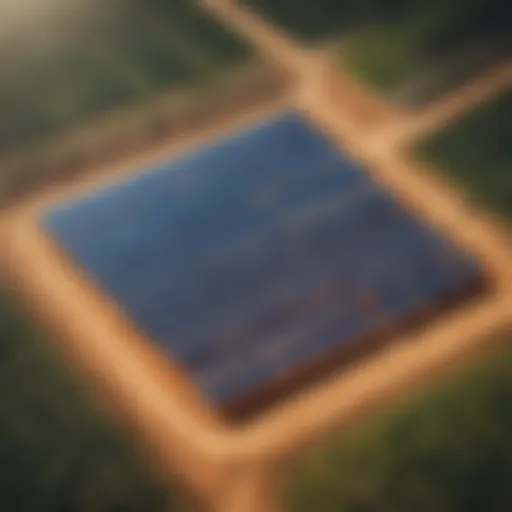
x=258 y=254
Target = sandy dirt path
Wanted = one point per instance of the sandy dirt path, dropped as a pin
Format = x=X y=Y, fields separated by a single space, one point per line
x=441 y=112
x=115 y=359
x=275 y=46
x=300 y=63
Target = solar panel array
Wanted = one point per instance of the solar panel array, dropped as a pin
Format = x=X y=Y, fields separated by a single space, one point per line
x=254 y=254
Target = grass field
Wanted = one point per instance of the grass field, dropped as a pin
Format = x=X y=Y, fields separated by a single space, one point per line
x=123 y=56
x=310 y=21
x=398 y=58
x=476 y=153
x=59 y=453
x=446 y=449
x=424 y=47
x=113 y=83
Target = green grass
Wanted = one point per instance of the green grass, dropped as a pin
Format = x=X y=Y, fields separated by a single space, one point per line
x=446 y=449
x=476 y=153
x=390 y=44
x=120 y=57
x=382 y=56
x=391 y=58
x=390 y=51
x=59 y=453
x=311 y=21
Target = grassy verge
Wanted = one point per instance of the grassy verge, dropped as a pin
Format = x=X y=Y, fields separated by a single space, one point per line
x=476 y=153
x=447 y=449
x=122 y=132
x=390 y=58
x=310 y=21
x=58 y=452
x=119 y=57
x=382 y=56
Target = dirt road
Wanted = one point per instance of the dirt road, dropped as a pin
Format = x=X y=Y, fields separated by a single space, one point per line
x=440 y=113
x=302 y=64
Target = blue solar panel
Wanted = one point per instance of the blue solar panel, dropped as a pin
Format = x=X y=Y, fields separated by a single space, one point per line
x=256 y=253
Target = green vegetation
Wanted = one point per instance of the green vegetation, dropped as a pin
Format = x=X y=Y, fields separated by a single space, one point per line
x=310 y=21
x=434 y=35
x=113 y=56
x=389 y=43
x=382 y=56
x=447 y=449
x=436 y=23
x=477 y=153
x=58 y=453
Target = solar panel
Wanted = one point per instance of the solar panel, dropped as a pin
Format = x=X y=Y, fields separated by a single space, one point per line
x=256 y=253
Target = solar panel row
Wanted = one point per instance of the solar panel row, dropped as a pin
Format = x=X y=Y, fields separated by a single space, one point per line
x=255 y=254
